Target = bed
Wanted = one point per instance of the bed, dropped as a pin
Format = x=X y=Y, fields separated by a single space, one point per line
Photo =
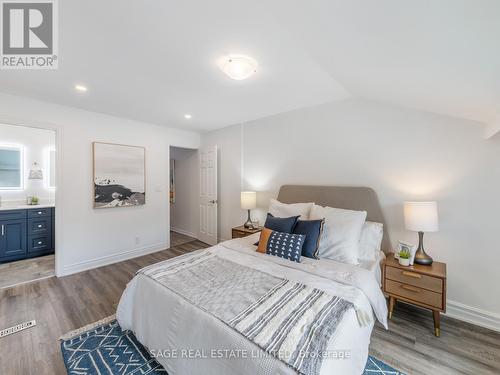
x=192 y=327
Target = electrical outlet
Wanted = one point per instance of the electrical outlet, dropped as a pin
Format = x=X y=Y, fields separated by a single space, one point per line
x=137 y=240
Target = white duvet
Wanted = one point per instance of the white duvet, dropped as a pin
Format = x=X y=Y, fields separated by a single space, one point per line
x=187 y=340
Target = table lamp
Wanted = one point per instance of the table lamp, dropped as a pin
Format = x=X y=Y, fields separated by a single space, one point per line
x=421 y=217
x=248 y=202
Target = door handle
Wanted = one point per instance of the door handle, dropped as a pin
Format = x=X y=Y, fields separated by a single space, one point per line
x=214 y=201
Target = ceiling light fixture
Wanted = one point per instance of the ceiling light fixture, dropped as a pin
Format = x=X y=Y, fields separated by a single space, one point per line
x=80 y=88
x=187 y=116
x=239 y=67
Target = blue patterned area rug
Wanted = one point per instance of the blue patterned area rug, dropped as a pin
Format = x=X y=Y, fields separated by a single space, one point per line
x=103 y=348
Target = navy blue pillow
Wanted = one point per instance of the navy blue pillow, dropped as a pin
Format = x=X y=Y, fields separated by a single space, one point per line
x=281 y=224
x=312 y=230
x=285 y=245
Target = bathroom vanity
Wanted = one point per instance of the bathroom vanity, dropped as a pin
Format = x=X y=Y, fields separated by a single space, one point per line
x=26 y=232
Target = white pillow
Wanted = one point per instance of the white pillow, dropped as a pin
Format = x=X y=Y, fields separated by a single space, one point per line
x=370 y=240
x=278 y=209
x=341 y=233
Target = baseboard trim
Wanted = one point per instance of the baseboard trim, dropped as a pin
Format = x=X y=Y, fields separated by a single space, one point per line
x=184 y=232
x=473 y=315
x=110 y=259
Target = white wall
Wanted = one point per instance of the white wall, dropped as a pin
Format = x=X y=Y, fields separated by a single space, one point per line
x=184 y=213
x=401 y=153
x=86 y=237
x=36 y=144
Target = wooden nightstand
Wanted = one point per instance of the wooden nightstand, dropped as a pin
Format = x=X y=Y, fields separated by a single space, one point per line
x=423 y=286
x=241 y=231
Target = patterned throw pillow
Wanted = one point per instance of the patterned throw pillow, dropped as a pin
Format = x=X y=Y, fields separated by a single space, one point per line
x=283 y=245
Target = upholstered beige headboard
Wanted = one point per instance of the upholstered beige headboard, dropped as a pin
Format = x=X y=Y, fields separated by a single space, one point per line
x=347 y=197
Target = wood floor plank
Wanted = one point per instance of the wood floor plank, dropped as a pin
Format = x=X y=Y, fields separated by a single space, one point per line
x=410 y=345
x=26 y=270
x=60 y=305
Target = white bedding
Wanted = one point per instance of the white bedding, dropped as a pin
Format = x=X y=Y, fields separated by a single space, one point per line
x=374 y=266
x=169 y=325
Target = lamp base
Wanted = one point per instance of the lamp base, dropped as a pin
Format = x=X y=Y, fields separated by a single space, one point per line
x=421 y=256
x=248 y=224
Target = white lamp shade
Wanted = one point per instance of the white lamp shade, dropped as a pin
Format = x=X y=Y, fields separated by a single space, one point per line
x=421 y=216
x=248 y=200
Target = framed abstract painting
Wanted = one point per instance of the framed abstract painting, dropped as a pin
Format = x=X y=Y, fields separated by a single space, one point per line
x=119 y=175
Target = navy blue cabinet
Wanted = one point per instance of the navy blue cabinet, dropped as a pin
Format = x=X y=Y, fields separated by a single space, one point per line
x=13 y=239
x=26 y=233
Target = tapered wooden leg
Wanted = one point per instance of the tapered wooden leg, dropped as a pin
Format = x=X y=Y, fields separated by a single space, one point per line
x=392 y=301
x=437 y=327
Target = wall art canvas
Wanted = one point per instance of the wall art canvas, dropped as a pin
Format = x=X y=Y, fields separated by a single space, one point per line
x=119 y=175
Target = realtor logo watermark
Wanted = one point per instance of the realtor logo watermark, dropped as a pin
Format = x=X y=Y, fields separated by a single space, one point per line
x=29 y=34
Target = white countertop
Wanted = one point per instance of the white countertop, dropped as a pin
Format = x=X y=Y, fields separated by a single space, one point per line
x=6 y=206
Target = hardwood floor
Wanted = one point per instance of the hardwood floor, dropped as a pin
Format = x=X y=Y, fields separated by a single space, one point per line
x=177 y=239
x=60 y=305
x=410 y=345
x=26 y=270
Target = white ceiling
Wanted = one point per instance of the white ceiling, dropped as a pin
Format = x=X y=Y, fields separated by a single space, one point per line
x=157 y=60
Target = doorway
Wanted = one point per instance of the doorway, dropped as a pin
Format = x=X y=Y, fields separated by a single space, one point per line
x=27 y=204
x=184 y=188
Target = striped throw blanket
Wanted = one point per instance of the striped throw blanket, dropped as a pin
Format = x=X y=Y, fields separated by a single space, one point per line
x=289 y=320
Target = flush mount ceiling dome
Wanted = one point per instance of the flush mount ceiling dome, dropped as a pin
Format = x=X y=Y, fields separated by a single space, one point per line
x=239 y=67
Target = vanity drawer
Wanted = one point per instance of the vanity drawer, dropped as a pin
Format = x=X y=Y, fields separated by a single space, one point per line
x=12 y=214
x=39 y=212
x=39 y=243
x=39 y=226
x=414 y=293
x=416 y=279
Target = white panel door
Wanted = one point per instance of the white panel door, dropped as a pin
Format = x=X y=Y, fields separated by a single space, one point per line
x=208 y=196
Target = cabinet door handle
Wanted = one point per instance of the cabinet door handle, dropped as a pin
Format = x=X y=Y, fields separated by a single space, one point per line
x=3 y=230
x=411 y=274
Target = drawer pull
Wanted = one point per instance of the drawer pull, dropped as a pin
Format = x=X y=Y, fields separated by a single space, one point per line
x=39 y=242
x=40 y=225
x=411 y=274
x=411 y=288
x=39 y=212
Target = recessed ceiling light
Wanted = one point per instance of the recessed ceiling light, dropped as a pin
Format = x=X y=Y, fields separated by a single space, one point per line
x=187 y=116
x=239 y=67
x=80 y=88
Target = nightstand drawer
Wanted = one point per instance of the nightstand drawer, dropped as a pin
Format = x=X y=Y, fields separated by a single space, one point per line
x=416 y=279
x=414 y=293
x=241 y=231
x=238 y=234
